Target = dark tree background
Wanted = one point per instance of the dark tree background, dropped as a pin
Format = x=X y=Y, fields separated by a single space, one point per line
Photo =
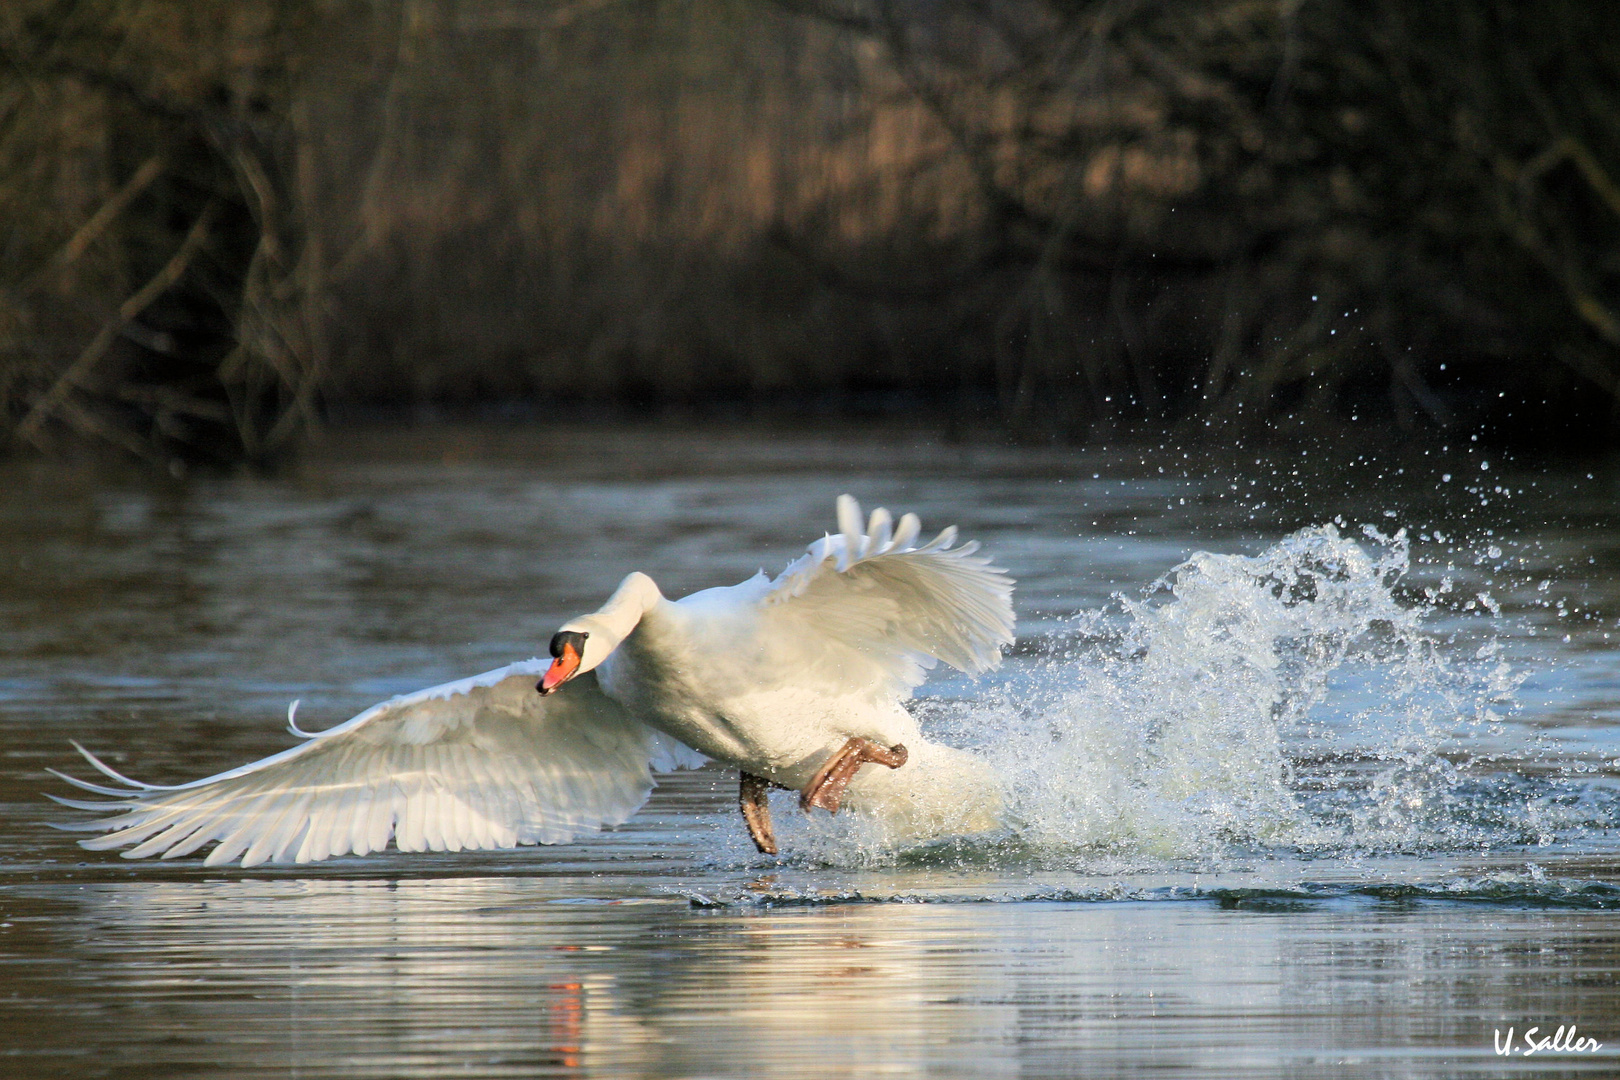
x=225 y=221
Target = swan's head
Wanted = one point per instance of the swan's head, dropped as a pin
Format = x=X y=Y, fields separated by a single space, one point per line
x=567 y=654
x=583 y=643
x=574 y=651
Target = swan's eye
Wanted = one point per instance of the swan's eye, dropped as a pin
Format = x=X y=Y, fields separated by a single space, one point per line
x=563 y=638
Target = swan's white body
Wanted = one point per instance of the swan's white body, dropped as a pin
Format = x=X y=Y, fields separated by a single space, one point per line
x=772 y=676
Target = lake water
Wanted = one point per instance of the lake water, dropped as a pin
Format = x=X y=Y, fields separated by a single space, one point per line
x=1294 y=792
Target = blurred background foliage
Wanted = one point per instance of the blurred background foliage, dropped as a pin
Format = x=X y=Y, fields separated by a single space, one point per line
x=224 y=222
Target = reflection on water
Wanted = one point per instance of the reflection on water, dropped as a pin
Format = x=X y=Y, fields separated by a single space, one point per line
x=1265 y=832
x=479 y=976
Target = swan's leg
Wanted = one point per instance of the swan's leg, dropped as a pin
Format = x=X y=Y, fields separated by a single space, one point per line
x=756 y=811
x=826 y=788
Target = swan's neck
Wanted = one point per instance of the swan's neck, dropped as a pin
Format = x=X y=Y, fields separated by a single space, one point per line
x=636 y=595
x=609 y=626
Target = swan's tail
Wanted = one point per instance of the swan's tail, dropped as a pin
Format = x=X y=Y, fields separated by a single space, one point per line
x=939 y=791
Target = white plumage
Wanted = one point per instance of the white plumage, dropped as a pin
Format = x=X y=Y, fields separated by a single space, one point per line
x=484 y=762
x=769 y=675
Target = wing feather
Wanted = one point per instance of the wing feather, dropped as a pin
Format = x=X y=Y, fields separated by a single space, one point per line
x=870 y=593
x=432 y=813
x=195 y=839
x=376 y=822
x=481 y=763
x=319 y=815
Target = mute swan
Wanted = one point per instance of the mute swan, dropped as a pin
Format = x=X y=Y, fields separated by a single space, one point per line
x=796 y=680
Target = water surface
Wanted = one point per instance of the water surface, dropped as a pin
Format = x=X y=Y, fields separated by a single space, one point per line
x=1296 y=793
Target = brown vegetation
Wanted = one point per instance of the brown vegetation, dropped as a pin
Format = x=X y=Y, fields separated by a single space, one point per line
x=159 y=291
x=1064 y=215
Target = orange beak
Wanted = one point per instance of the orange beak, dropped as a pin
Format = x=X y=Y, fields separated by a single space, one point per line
x=561 y=670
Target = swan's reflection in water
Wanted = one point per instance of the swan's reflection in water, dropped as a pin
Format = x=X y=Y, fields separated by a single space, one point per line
x=500 y=977
x=478 y=976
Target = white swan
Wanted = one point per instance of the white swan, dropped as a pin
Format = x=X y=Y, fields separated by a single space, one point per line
x=798 y=681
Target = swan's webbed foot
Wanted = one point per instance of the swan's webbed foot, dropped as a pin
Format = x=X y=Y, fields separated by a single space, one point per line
x=753 y=801
x=826 y=788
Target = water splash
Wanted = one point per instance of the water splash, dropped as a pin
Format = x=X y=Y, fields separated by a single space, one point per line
x=1301 y=702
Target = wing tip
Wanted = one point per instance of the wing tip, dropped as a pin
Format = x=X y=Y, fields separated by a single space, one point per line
x=107 y=770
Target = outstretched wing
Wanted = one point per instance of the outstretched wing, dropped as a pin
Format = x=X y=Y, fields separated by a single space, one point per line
x=873 y=598
x=485 y=762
